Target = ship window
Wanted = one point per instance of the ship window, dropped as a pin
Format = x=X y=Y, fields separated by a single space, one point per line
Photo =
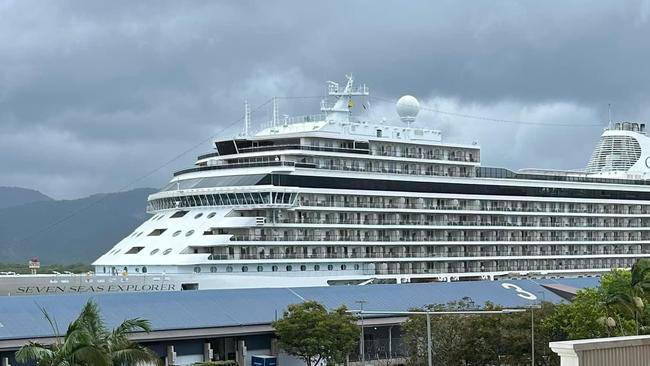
x=244 y=268
x=274 y=268
x=167 y=251
x=356 y=267
x=316 y=267
x=229 y=269
x=343 y=267
x=117 y=251
x=140 y=233
x=189 y=233
x=135 y=250
x=137 y=269
x=144 y=269
x=260 y=268
x=378 y=133
x=178 y=214
x=126 y=269
x=303 y=268
x=157 y=232
x=198 y=215
x=197 y=269
x=289 y=268
x=154 y=251
x=211 y=215
x=177 y=233
x=330 y=267
x=213 y=269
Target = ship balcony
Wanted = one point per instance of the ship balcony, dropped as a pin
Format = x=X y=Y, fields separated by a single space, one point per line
x=289 y=239
x=473 y=208
x=423 y=255
x=269 y=221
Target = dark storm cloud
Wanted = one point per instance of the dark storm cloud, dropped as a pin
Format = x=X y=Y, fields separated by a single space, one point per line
x=93 y=94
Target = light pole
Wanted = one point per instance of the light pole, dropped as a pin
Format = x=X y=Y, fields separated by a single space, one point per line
x=532 y=308
x=363 y=338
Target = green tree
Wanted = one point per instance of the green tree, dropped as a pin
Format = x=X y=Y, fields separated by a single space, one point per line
x=313 y=334
x=625 y=293
x=87 y=342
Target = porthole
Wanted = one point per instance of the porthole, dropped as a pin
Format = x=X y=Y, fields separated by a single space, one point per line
x=244 y=268
x=154 y=251
x=229 y=269
x=288 y=268
x=177 y=233
x=211 y=215
x=213 y=269
x=330 y=267
x=189 y=233
x=260 y=268
x=198 y=215
x=316 y=267
x=356 y=267
x=137 y=269
x=274 y=268
x=144 y=269
x=303 y=267
x=343 y=267
x=197 y=269
x=167 y=251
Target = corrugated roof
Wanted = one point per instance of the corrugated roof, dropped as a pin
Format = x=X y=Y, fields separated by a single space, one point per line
x=21 y=317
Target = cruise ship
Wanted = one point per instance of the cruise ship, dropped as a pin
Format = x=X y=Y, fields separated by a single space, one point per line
x=333 y=199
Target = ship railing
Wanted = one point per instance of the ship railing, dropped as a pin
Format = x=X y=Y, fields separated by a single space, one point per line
x=324 y=203
x=424 y=254
x=235 y=166
x=269 y=221
x=441 y=239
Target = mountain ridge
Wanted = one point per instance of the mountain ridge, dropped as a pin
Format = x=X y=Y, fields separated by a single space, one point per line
x=70 y=231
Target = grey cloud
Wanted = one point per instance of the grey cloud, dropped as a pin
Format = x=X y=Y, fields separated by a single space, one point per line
x=93 y=94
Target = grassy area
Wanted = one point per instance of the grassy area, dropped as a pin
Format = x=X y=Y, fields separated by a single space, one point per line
x=23 y=268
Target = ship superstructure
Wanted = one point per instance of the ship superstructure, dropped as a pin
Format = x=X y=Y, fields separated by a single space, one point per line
x=331 y=198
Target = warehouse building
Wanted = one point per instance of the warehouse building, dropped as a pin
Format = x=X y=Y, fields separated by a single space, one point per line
x=198 y=326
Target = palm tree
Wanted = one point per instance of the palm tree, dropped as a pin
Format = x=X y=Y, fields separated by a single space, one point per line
x=87 y=342
x=628 y=293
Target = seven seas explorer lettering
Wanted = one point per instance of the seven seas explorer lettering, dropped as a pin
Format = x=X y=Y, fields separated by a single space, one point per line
x=98 y=288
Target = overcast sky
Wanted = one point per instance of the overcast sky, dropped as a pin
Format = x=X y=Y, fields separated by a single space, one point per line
x=95 y=94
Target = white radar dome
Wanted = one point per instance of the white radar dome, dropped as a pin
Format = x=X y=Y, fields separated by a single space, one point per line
x=407 y=108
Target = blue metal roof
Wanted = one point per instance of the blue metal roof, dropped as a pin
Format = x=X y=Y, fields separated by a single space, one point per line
x=21 y=316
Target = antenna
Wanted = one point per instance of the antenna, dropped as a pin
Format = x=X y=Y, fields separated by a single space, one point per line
x=247 y=117
x=609 y=113
x=276 y=111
